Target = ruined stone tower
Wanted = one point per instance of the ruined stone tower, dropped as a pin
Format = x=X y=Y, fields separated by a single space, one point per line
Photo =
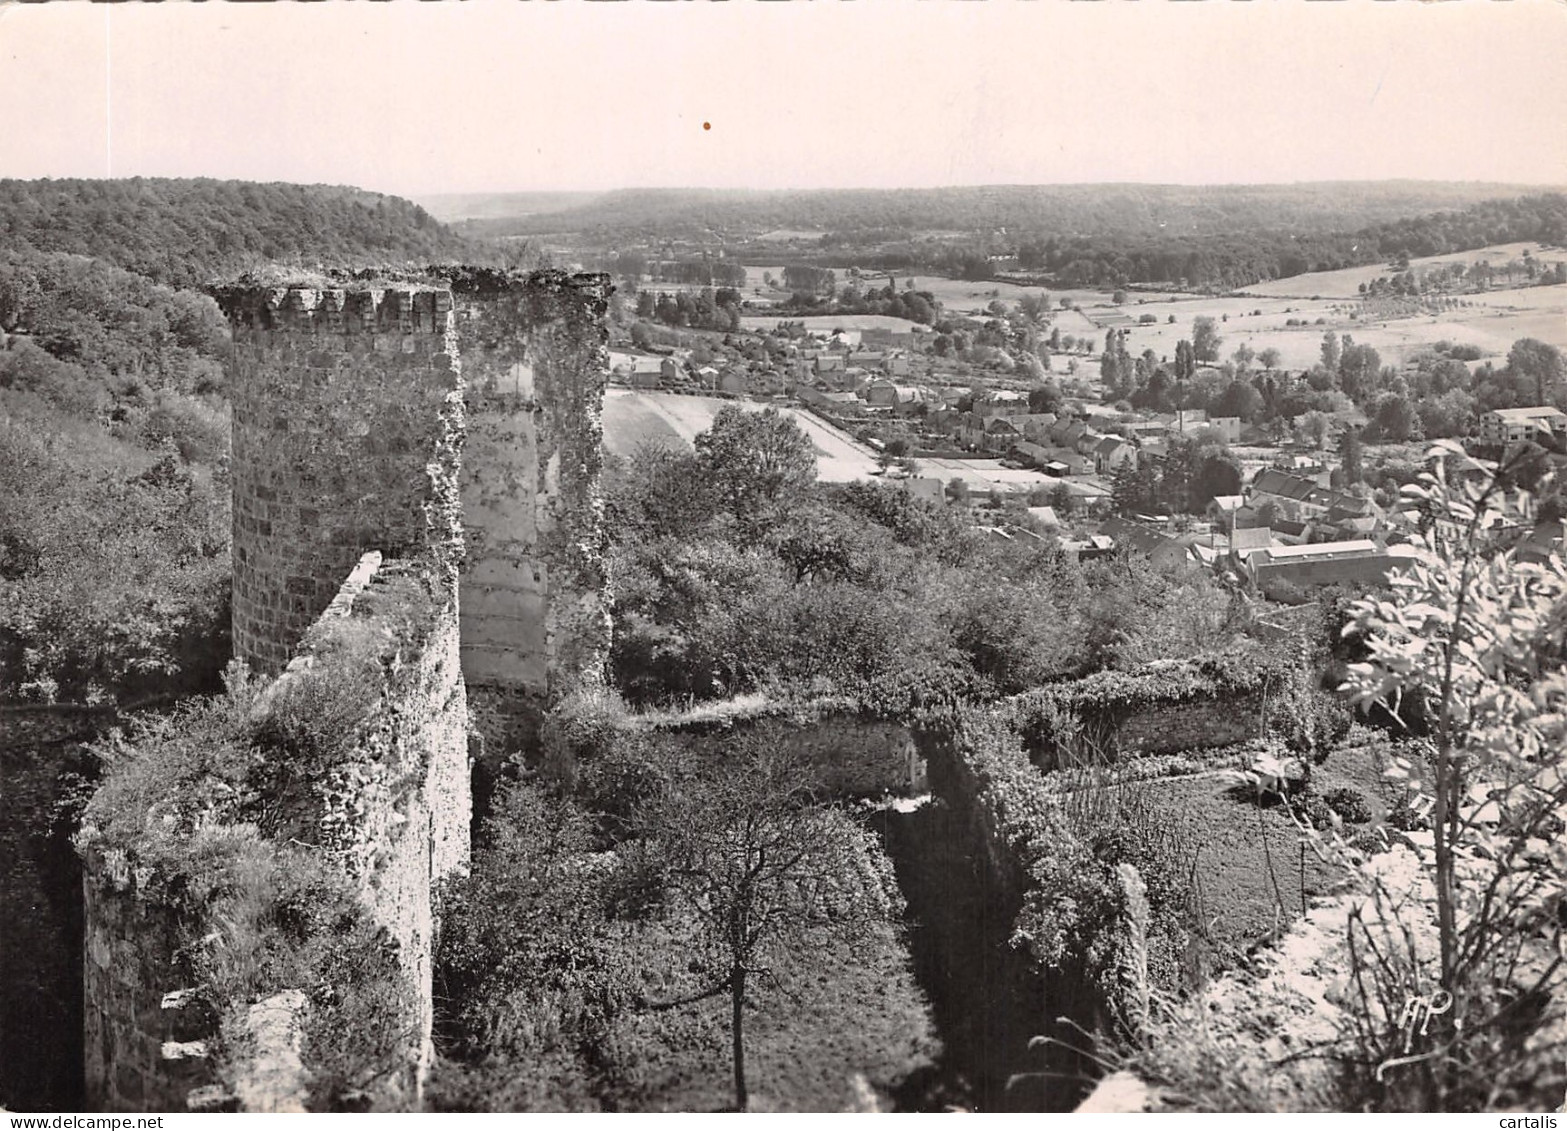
x=415 y=464
x=347 y=416
x=534 y=611
x=351 y=404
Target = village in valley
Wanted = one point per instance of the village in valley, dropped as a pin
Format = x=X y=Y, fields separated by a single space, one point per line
x=1035 y=408
x=983 y=558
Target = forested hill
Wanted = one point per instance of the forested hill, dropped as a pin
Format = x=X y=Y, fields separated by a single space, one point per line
x=1063 y=210
x=114 y=430
x=188 y=232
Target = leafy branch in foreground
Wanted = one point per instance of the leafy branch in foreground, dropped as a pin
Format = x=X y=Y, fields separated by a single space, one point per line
x=1465 y=1012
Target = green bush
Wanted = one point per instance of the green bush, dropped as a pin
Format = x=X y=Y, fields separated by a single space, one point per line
x=1316 y=811
x=1350 y=804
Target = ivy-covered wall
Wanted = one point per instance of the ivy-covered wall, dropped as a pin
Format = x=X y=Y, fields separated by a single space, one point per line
x=1081 y=918
x=289 y=839
x=1175 y=705
x=535 y=620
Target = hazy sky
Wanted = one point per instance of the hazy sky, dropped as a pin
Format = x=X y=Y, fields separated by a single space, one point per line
x=481 y=96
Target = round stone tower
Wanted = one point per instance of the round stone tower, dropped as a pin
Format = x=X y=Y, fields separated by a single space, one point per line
x=347 y=408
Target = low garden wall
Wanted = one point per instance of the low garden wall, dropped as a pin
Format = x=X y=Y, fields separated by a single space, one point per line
x=853 y=753
x=1172 y=706
x=1081 y=915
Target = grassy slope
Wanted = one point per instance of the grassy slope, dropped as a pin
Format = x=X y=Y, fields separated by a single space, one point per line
x=1235 y=839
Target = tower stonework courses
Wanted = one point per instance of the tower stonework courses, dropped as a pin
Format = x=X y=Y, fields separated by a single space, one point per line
x=343 y=401
x=534 y=611
x=359 y=404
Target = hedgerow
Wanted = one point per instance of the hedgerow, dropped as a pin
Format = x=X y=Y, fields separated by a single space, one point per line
x=1074 y=722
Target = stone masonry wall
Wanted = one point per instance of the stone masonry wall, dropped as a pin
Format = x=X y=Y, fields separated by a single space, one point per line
x=395 y=818
x=348 y=435
x=1195 y=724
x=40 y=906
x=534 y=604
x=350 y=403
x=346 y=415
x=853 y=755
x=1163 y=708
x=131 y=963
x=398 y=816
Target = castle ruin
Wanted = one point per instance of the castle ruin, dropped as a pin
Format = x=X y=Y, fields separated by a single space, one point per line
x=434 y=441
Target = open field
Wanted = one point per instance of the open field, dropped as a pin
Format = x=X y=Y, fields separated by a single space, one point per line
x=961 y=296
x=632 y=418
x=1493 y=322
x=984 y=475
x=1346 y=283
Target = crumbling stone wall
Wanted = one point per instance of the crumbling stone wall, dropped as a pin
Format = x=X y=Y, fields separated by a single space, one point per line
x=348 y=433
x=398 y=816
x=40 y=907
x=132 y=962
x=394 y=819
x=535 y=620
x=1162 y=708
x=1194 y=724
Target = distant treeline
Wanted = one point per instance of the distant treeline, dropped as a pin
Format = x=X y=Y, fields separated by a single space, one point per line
x=187 y=232
x=1239 y=260
x=1222 y=261
x=703 y=215
x=1107 y=236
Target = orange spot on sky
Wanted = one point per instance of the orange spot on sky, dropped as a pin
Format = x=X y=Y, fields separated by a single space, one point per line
x=707 y=125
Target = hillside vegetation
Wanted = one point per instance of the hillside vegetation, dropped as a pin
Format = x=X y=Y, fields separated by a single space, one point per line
x=1112 y=209
x=186 y=232
x=114 y=417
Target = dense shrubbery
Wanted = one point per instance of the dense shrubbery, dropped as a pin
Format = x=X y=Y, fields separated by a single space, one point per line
x=732 y=576
x=113 y=563
x=113 y=488
x=576 y=973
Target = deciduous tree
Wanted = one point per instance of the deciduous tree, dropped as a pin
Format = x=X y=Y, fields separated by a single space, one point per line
x=1205 y=339
x=766 y=871
x=1469 y=652
x=754 y=459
